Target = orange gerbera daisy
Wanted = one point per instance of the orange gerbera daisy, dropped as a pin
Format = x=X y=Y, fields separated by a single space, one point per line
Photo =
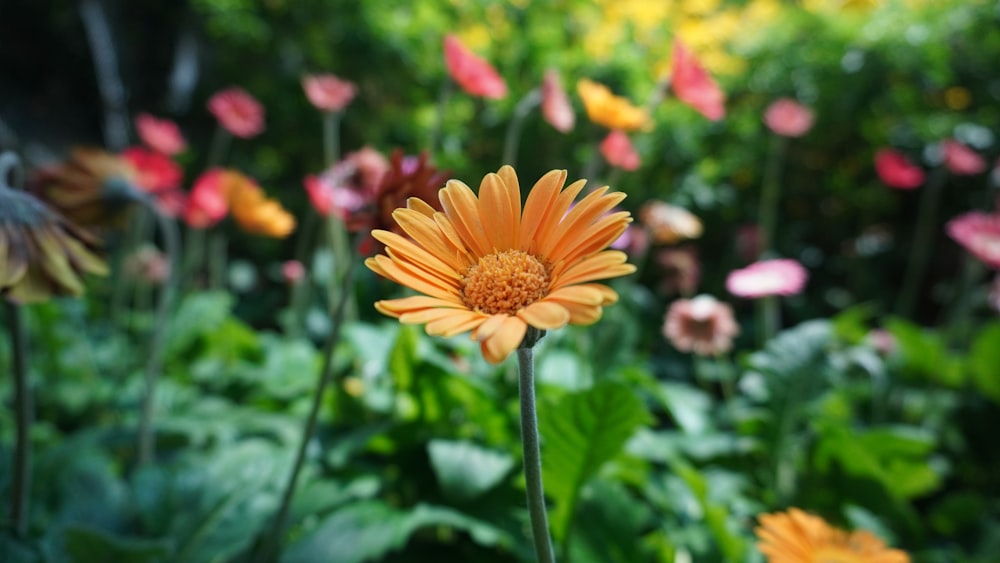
x=485 y=266
x=797 y=537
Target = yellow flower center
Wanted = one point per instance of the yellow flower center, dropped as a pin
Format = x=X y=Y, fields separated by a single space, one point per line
x=505 y=282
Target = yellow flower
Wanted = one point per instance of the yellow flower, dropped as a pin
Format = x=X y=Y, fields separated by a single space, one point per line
x=609 y=110
x=485 y=266
x=797 y=537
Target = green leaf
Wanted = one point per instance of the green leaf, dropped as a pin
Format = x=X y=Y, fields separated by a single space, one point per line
x=369 y=530
x=580 y=433
x=85 y=545
x=984 y=359
x=925 y=353
x=199 y=314
x=610 y=523
x=729 y=542
x=465 y=470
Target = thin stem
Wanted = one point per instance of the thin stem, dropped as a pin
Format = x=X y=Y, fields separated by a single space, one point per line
x=301 y=291
x=218 y=243
x=771 y=193
x=533 y=456
x=516 y=125
x=442 y=103
x=171 y=241
x=337 y=229
x=331 y=137
x=921 y=248
x=769 y=318
x=271 y=549
x=21 y=481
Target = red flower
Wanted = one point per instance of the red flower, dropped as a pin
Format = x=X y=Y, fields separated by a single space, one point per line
x=327 y=92
x=476 y=76
x=788 y=118
x=238 y=112
x=979 y=233
x=896 y=171
x=161 y=135
x=960 y=159
x=618 y=151
x=207 y=204
x=693 y=85
x=556 y=108
x=155 y=172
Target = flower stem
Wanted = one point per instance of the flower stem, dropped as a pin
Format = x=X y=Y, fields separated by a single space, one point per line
x=769 y=318
x=921 y=248
x=516 y=125
x=171 y=241
x=271 y=548
x=21 y=480
x=435 y=132
x=532 y=455
x=304 y=247
x=771 y=193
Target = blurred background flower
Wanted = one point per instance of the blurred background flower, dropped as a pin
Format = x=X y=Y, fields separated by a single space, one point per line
x=238 y=112
x=703 y=325
x=160 y=135
x=779 y=276
x=473 y=73
x=328 y=92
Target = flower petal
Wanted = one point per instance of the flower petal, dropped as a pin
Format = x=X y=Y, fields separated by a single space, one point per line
x=497 y=213
x=414 y=253
x=403 y=275
x=458 y=322
x=420 y=206
x=545 y=315
x=580 y=220
x=504 y=340
x=488 y=327
x=555 y=215
x=396 y=307
x=462 y=208
x=603 y=265
x=540 y=199
x=426 y=233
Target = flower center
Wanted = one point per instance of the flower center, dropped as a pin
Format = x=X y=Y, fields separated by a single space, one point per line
x=505 y=282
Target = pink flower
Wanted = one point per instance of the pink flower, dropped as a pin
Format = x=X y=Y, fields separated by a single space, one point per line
x=348 y=186
x=329 y=198
x=979 y=233
x=207 y=203
x=238 y=112
x=327 y=92
x=960 y=159
x=161 y=135
x=474 y=74
x=556 y=107
x=896 y=171
x=669 y=224
x=155 y=171
x=693 y=85
x=788 y=118
x=702 y=325
x=766 y=278
x=292 y=271
x=619 y=152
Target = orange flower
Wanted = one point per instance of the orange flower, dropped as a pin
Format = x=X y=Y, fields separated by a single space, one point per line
x=797 y=537
x=485 y=266
x=254 y=212
x=609 y=110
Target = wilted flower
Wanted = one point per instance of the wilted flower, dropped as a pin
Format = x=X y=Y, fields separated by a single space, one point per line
x=897 y=171
x=669 y=223
x=556 y=108
x=292 y=271
x=788 y=118
x=238 y=112
x=161 y=135
x=474 y=74
x=154 y=172
x=609 y=110
x=148 y=264
x=702 y=325
x=693 y=85
x=679 y=270
x=979 y=233
x=617 y=149
x=797 y=537
x=960 y=159
x=41 y=253
x=92 y=187
x=768 y=277
x=484 y=265
x=328 y=92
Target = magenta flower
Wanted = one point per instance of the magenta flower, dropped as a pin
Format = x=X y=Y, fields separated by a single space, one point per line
x=693 y=85
x=474 y=74
x=979 y=233
x=788 y=118
x=897 y=171
x=702 y=325
x=617 y=149
x=960 y=159
x=238 y=112
x=161 y=135
x=556 y=107
x=768 y=277
x=328 y=92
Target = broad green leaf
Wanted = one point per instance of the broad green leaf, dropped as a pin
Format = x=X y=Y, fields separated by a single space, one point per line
x=580 y=433
x=199 y=314
x=85 y=545
x=369 y=530
x=984 y=362
x=465 y=470
x=729 y=542
x=689 y=406
x=925 y=353
x=609 y=525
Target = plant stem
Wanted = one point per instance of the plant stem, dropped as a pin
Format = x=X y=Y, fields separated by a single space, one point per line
x=532 y=455
x=513 y=138
x=171 y=241
x=271 y=548
x=443 y=95
x=921 y=248
x=771 y=193
x=304 y=248
x=21 y=480
x=769 y=318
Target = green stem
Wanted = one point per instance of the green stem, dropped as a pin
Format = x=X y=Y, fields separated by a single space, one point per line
x=304 y=247
x=171 y=241
x=516 y=125
x=21 y=480
x=921 y=248
x=960 y=320
x=532 y=454
x=769 y=318
x=339 y=245
x=271 y=548
x=218 y=244
x=442 y=103
x=771 y=193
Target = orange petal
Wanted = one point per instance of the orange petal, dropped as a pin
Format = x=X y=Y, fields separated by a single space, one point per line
x=426 y=233
x=496 y=213
x=580 y=313
x=580 y=220
x=555 y=214
x=509 y=178
x=387 y=268
x=489 y=326
x=420 y=206
x=504 y=340
x=603 y=265
x=462 y=208
x=414 y=253
x=396 y=307
x=456 y=323
x=540 y=199
x=545 y=315
x=427 y=316
x=587 y=294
